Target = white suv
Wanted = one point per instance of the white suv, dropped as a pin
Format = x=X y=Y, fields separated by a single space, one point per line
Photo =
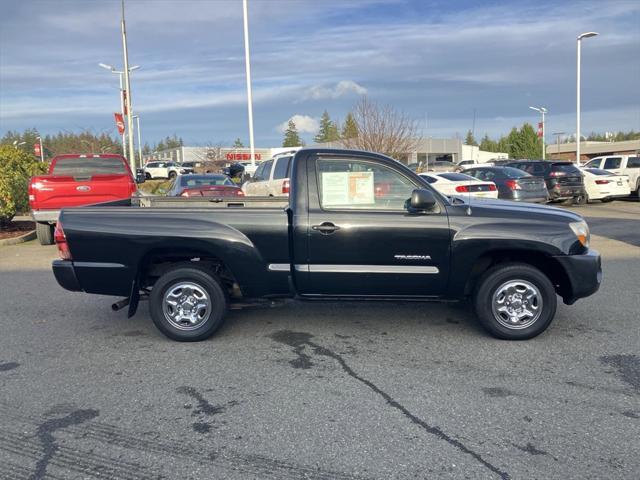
x=164 y=170
x=621 y=165
x=271 y=178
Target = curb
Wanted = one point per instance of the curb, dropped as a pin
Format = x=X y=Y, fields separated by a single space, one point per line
x=21 y=239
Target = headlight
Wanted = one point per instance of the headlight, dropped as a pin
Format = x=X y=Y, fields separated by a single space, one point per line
x=581 y=230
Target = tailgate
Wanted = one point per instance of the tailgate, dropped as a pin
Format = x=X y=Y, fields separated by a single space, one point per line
x=54 y=192
x=533 y=184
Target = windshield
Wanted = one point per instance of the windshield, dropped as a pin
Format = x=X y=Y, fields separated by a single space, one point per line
x=598 y=171
x=514 y=172
x=457 y=177
x=206 y=181
x=569 y=168
x=89 y=166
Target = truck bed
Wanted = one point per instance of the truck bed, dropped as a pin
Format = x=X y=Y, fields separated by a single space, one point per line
x=209 y=202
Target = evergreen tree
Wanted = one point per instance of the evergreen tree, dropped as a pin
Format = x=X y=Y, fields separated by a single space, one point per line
x=291 y=137
x=350 y=127
x=328 y=131
x=238 y=143
x=146 y=149
x=469 y=139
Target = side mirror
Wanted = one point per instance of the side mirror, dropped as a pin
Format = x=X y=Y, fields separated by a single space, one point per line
x=422 y=199
x=140 y=175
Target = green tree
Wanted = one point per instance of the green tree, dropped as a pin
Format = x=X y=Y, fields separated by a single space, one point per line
x=17 y=166
x=488 y=145
x=238 y=143
x=146 y=149
x=328 y=131
x=350 y=127
x=470 y=139
x=291 y=137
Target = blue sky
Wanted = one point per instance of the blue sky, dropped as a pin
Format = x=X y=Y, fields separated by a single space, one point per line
x=434 y=60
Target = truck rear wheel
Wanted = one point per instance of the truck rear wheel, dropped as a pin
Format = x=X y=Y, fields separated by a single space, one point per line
x=44 y=232
x=188 y=304
x=515 y=301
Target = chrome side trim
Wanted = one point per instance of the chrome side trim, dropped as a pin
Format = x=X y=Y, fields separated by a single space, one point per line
x=278 y=267
x=367 y=269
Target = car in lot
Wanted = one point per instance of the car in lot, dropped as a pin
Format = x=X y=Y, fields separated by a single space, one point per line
x=271 y=178
x=439 y=166
x=564 y=179
x=154 y=170
x=204 y=185
x=512 y=183
x=622 y=165
x=450 y=183
x=74 y=180
x=357 y=225
x=604 y=185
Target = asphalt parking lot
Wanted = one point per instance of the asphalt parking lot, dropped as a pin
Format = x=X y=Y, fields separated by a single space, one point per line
x=321 y=390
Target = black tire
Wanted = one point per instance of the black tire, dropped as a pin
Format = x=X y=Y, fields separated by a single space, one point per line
x=607 y=200
x=203 y=280
x=580 y=199
x=147 y=175
x=498 y=276
x=172 y=175
x=44 y=232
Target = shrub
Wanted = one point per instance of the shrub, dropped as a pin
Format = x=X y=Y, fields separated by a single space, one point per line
x=16 y=168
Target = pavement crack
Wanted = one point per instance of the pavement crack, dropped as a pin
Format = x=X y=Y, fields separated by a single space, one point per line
x=45 y=435
x=299 y=339
x=203 y=404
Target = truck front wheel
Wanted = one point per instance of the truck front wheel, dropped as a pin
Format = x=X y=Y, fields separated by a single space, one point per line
x=44 y=232
x=187 y=304
x=515 y=301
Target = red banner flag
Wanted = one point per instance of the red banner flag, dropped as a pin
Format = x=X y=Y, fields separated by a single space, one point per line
x=36 y=149
x=540 y=129
x=119 y=122
x=124 y=102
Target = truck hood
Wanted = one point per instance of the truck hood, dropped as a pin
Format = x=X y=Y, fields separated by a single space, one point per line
x=510 y=209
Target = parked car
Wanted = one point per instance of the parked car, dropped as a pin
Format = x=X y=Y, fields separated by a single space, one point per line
x=337 y=236
x=622 y=165
x=449 y=184
x=208 y=185
x=75 y=180
x=564 y=180
x=605 y=186
x=439 y=166
x=271 y=178
x=513 y=184
x=164 y=170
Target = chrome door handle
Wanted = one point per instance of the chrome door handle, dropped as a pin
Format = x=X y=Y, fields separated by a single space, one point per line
x=326 y=228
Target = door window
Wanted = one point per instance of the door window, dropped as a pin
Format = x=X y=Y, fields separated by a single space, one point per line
x=281 y=169
x=266 y=173
x=633 y=162
x=258 y=175
x=595 y=163
x=612 y=162
x=346 y=184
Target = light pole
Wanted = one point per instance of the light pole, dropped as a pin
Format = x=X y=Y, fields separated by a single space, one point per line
x=127 y=85
x=558 y=135
x=137 y=117
x=122 y=109
x=17 y=144
x=542 y=110
x=580 y=37
x=247 y=65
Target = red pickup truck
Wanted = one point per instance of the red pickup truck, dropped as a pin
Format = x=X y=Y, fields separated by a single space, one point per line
x=75 y=180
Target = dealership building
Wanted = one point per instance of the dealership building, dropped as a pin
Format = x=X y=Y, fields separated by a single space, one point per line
x=425 y=150
x=567 y=151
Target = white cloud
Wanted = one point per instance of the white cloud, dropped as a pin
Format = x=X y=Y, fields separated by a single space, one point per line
x=342 y=88
x=304 y=124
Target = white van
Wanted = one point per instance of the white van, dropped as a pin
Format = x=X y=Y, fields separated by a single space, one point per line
x=620 y=165
x=271 y=178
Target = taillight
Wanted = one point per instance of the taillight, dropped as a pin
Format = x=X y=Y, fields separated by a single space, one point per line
x=602 y=182
x=513 y=185
x=556 y=173
x=239 y=193
x=61 y=242
x=462 y=188
x=184 y=194
x=285 y=186
x=492 y=187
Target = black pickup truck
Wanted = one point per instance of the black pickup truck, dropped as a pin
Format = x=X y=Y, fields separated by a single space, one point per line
x=356 y=225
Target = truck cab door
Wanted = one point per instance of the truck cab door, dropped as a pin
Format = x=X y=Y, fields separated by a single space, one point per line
x=361 y=238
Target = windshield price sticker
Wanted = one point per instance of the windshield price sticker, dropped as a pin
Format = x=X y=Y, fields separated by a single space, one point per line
x=347 y=188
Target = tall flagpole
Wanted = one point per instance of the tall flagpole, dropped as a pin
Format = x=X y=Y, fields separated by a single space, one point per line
x=127 y=86
x=248 y=69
